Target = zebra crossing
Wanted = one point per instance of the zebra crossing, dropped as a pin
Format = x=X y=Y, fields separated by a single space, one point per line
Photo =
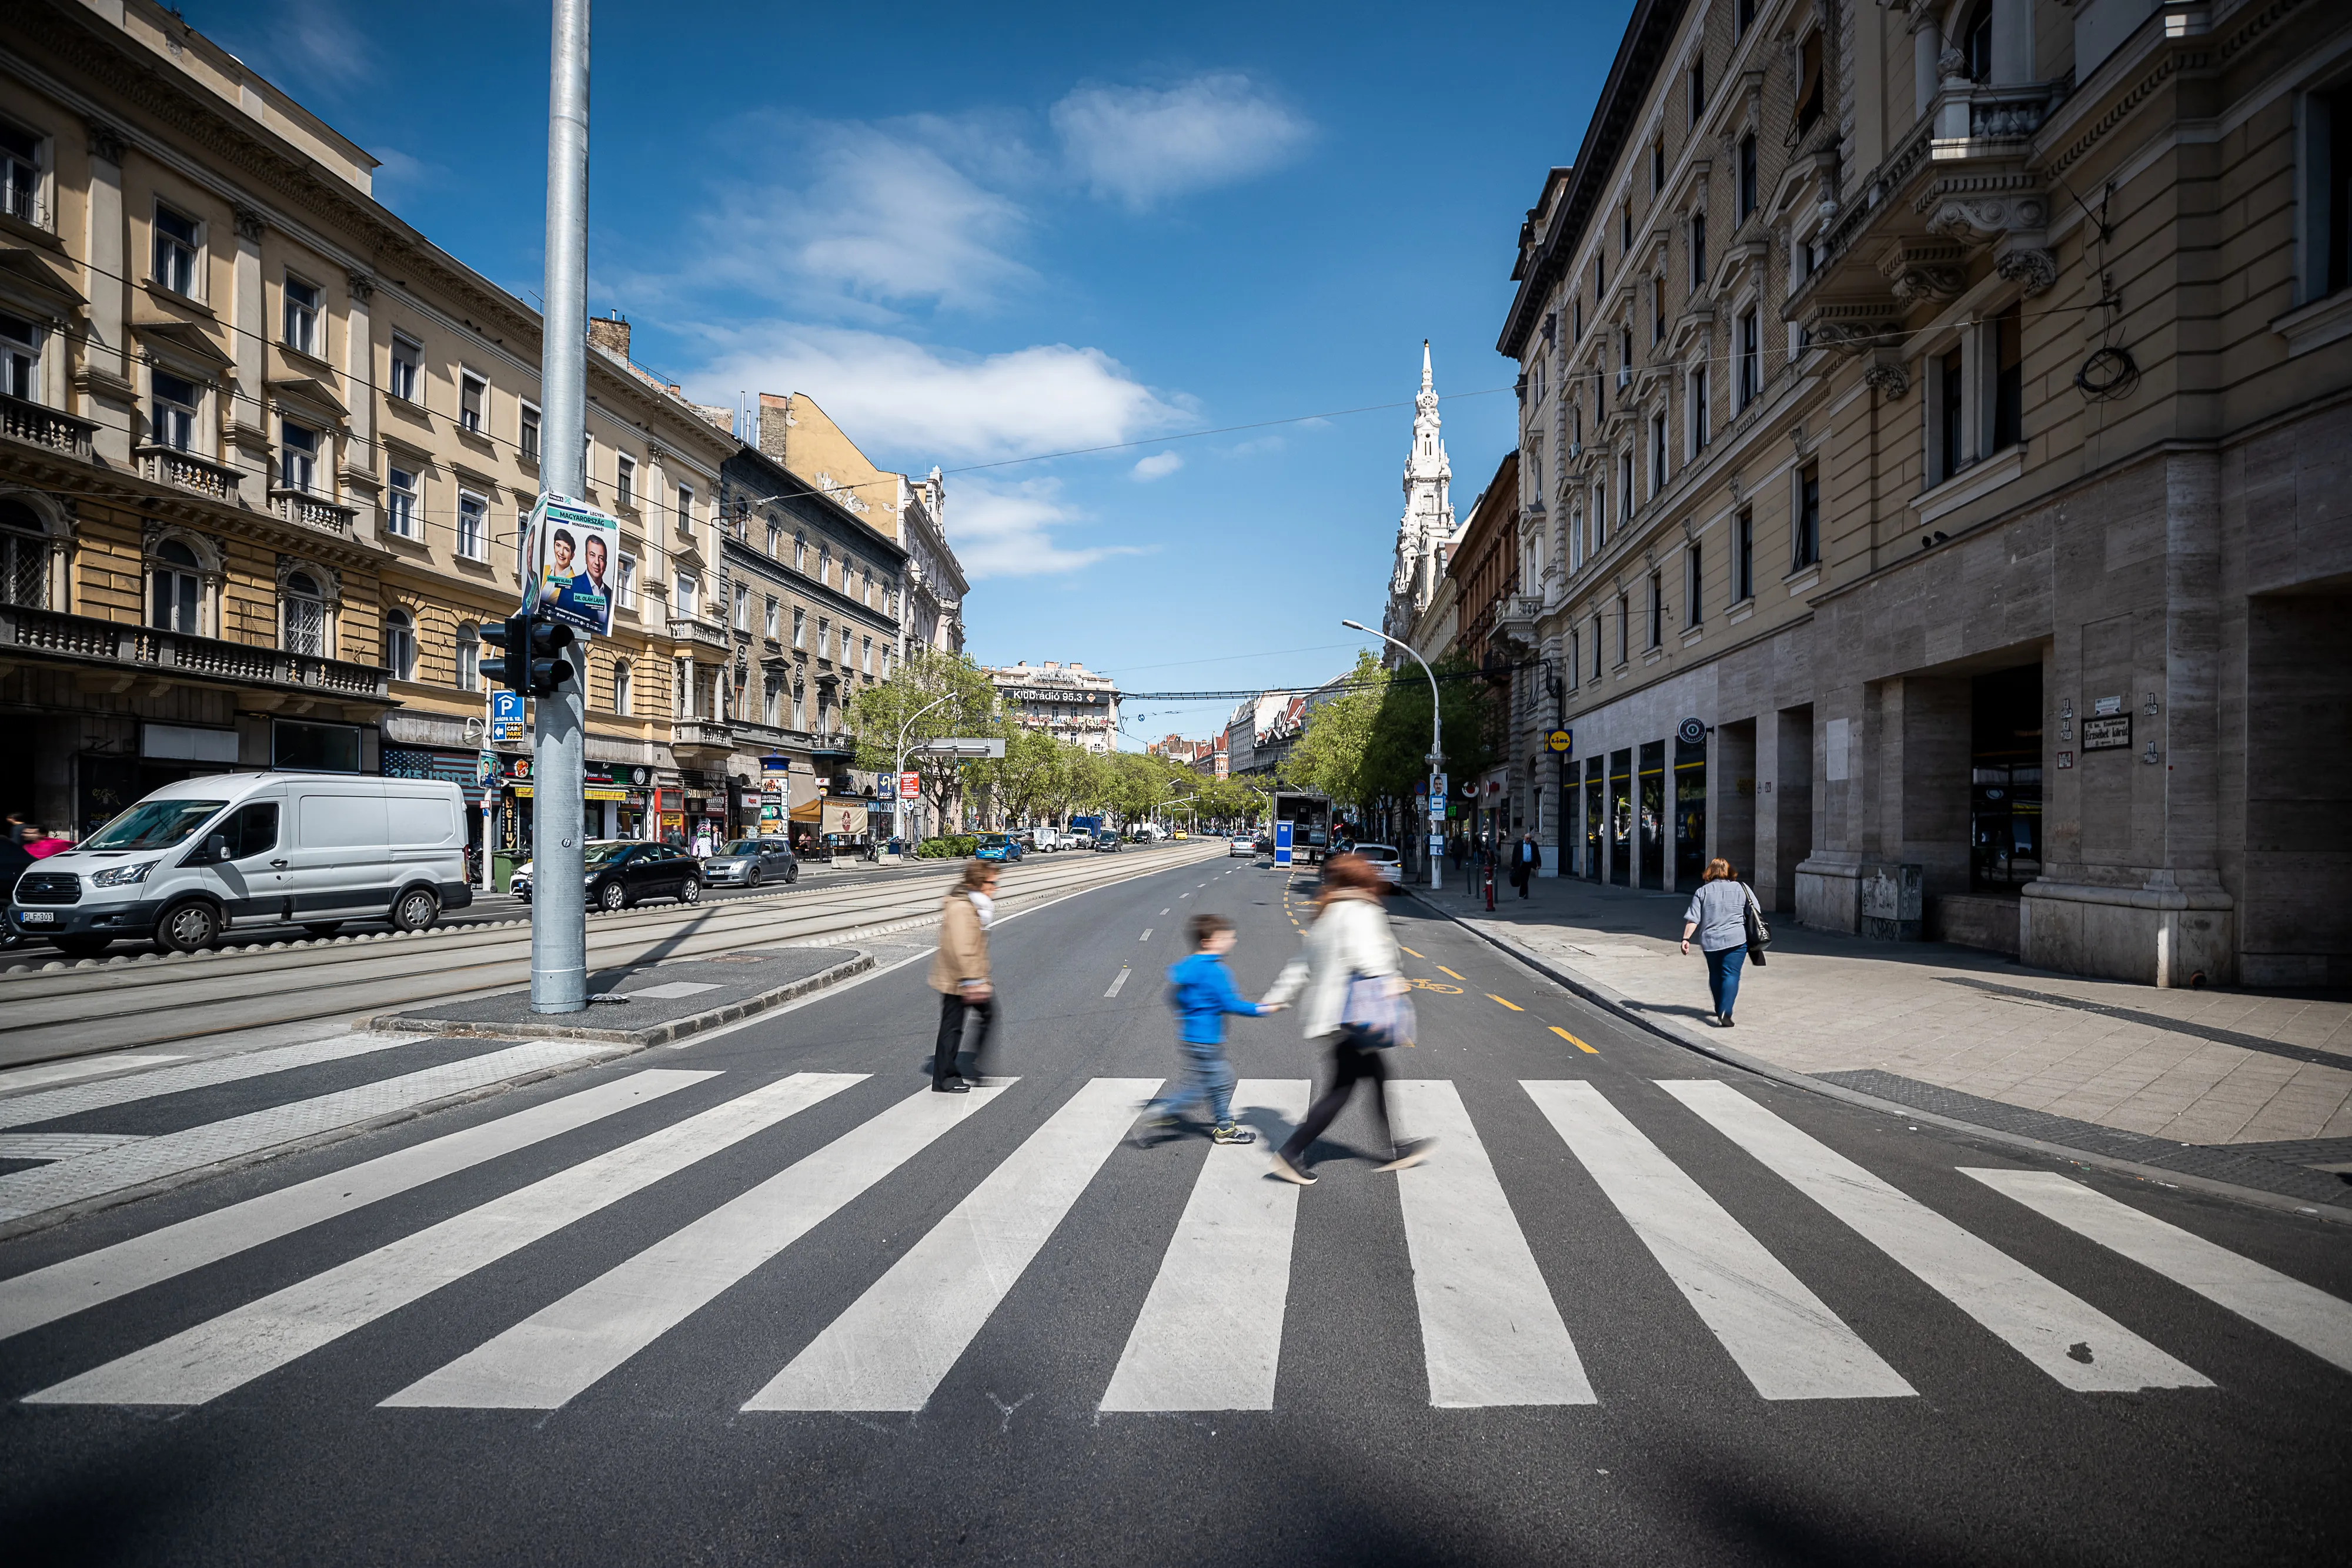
x=1209 y=1332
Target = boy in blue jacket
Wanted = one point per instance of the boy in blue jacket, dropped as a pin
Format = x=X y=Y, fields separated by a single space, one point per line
x=1202 y=993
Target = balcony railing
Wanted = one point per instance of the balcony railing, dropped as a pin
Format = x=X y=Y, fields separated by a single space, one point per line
x=702 y=734
x=186 y=471
x=36 y=425
x=85 y=640
x=690 y=629
x=1515 y=613
x=312 y=511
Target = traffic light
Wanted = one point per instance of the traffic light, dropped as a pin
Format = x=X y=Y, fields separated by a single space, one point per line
x=548 y=640
x=509 y=639
x=530 y=653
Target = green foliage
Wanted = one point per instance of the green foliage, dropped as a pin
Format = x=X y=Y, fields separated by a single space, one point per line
x=953 y=846
x=1396 y=752
x=961 y=701
x=1329 y=757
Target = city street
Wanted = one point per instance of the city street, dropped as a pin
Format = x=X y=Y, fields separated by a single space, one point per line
x=764 y=1297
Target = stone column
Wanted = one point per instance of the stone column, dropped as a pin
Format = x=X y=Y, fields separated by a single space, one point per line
x=104 y=381
x=2195 y=934
x=248 y=424
x=1926 y=50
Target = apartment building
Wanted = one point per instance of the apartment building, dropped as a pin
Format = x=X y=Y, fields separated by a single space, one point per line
x=1932 y=414
x=1067 y=701
x=265 y=449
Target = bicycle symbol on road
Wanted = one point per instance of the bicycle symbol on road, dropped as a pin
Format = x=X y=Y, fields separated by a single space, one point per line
x=1440 y=987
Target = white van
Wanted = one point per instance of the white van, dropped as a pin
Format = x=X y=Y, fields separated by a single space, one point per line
x=253 y=849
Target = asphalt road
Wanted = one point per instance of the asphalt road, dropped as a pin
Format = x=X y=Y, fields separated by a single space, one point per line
x=903 y=1349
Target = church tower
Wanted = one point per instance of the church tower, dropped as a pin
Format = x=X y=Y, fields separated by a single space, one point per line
x=1428 y=520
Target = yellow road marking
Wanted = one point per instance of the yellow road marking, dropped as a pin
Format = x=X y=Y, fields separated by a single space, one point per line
x=1402 y=949
x=1444 y=970
x=1513 y=1005
x=1574 y=1041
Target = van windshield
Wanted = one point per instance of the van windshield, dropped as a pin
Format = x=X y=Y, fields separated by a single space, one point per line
x=153 y=825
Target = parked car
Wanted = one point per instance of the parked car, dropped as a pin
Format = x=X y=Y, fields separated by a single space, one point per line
x=1241 y=845
x=1002 y=847
x=1107 y=842
x=520 y=882
x=204 y=854
x=1384 y=859
x=621 y=876
x=748 y=863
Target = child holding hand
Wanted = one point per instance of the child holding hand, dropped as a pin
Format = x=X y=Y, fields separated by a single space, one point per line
x=1201 y=991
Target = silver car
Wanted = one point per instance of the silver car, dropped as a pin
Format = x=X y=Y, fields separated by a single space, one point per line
x=750 y=862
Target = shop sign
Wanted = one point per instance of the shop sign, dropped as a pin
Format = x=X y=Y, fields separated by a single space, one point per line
x=1562 y=741
x=2112 y=733
x=909 y=785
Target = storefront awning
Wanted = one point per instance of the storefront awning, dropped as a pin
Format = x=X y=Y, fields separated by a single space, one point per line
x=809 y=811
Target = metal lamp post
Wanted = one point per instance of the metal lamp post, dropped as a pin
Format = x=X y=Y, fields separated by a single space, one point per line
x=898 y=759
x=1436 y=742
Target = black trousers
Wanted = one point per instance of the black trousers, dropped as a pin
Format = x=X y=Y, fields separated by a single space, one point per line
x=1351 y=1065
x=953 y=1009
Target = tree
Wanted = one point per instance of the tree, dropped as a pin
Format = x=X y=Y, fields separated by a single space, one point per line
x=1329 y=755
x=1023 y=783
x=1396 y=752
x=966 y=704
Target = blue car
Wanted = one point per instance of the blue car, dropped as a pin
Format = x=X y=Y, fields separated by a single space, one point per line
x=997 y=847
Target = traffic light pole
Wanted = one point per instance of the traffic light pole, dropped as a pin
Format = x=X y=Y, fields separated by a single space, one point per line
x=559 y=912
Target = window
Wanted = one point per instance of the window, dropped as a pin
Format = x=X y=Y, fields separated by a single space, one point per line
x=473 y=526
x=1657 y=609
x=173 y=605
x=799 y=695
x=298 y=458
x=20 y=174
x=1743 y=556
x=775 y=539
x=1697 y=252
x=174 y=411
x=20 y=357
x=774 y=624
x=770 y=705
x=1625 y=485
x=1808 y=530
x=1657 y=169
x=824 y=565
x=800 y=552
x=302 y=615
x=1625 y=227
x=1576 y=322
x=1694 y=605
x=1575 y=659
x=176 y=251
x=1698 y=89
x=1624 y=623
x=1810 y=90
x=1975 y=42
x=2008 y=344
x=685 y=508
x=24 y=557
x=469 y=659
x=407 y=368
x=1951 y=427
x=528 y=438
x=742 y=608
x=300 y=328
x=1743 y=12
x=800 y=627
x=865 y=654
x=622 y=680
x=682 y=601
x=681 y=687
x=823 y=638
x=1697 y=402
x=625 y=585
x=2326 y=194
x=624 y=480
x=473 y=398
x=400 y=503
x=400 y=645
x=1657 y=312
x=1657 y=452
x=1750 y=349
x=1596 y=645
x=1747 y=177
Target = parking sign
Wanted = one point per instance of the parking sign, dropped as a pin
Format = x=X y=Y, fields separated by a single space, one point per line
x=506 y=717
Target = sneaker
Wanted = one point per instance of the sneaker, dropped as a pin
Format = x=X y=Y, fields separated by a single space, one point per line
x=949 y=1087
x=1727 y=1020
x=1410 y=1154
x=1229 y=1133
x=1290 y=1173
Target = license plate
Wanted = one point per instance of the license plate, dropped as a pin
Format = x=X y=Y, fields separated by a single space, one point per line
x=36 y=916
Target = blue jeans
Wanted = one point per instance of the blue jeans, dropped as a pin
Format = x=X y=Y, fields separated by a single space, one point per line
x=1207 y=1076
x=1723 y=978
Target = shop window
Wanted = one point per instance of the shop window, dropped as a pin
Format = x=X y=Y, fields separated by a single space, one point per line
x=176 y=251
x=400 y=502
x=302 y=615
x=1652 y=820
x=400 y=645
x=469 y=659
x=173 y=602
x=314 y=747
x=172 y=411
x=1690 y=812
x=1806 y=531
x=24 y=557
x=20 y=357
x=2005 y=781
x=300 y=325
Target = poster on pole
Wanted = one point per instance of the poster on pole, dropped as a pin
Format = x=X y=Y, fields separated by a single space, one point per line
x=574 y=551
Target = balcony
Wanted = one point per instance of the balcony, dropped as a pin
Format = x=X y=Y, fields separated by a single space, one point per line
x=1515 y=616
x=186 y=471
x=702 y=735
x=35 y=425
x=312 y=511
x=177 y=658
x=701 y=634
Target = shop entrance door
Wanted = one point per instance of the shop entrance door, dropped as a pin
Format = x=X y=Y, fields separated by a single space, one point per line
x=2005 y=781
x=1596 y=813
x=1654 y=814
x=1620 y=818
x=1690 y=812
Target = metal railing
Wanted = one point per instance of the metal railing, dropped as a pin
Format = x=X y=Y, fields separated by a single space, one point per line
x=85 y=639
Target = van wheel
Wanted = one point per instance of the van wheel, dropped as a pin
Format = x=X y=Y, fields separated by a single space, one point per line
x=415 y=909
x=188 y=928
x=692 y=891
x=323 y=928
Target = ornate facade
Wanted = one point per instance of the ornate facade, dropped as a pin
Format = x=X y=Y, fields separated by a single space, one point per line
x=1428 y=521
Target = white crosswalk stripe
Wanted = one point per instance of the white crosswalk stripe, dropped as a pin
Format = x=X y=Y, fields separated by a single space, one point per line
x=558 y=1353
x=2063 y=1336
x=1490 y=1331
x=2319 y=1322
x=1789 y=1343
x=895 y=1342
x=212 y=1358
x=50 y=1104
x=1210 y=1334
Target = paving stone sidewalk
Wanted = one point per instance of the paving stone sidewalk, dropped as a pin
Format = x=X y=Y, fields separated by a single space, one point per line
x=2127 y=1070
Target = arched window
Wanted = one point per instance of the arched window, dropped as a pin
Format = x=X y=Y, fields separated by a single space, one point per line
x=399 y=644
x=177 y=581
x=776 y=538
x=621 y=694
x=302 y=615
x=24 y=557
x=469 y=659
x=800 y=552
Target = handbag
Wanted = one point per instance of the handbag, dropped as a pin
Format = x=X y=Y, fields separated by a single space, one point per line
x=1374 y=1019
x=1759 y=936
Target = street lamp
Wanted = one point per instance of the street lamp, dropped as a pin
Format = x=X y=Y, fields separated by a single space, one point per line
x=898 y=759
x=1436 y=742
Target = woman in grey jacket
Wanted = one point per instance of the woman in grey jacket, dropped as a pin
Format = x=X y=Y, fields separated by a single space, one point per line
x=1719 y=916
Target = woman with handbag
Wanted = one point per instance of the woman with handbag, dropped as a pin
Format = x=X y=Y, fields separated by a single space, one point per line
x=1351 y=990
x=1729 y=925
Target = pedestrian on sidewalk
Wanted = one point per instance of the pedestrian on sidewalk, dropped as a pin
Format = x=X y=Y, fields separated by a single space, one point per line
x=1719 y=916
x=960 y=973
x=1348 y=945
x=1201 y=989
x=1526 y=855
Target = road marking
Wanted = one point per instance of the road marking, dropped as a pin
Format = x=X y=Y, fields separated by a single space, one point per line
x=1183 y=896
x=1492 y=997
x=1444 y=970
x=1574 y=1041
x=45 y=1295
x=50 y=1104
x=214 y=1358
x=1210 y=1334
x=169 y=1153
x=1146 y=934
x=2063 y=1336
x=1163 y=911
x=62 y=1146
x=2319 y=1322
x=1402 y=949
x=43 y=1072
x=1116 y=984
x=891 y=1349
x=1790 y=1345
x=562 y=1350
x=1490 y=1331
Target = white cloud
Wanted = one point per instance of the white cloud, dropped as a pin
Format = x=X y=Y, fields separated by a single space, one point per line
x=920 y=404
x=1007 y=531
x=1140 y=144
x=1159 y=466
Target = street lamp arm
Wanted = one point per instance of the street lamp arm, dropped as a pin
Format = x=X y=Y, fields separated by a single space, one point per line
x=1436 y=719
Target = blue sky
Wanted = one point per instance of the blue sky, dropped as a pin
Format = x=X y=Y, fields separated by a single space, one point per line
x=979 y=233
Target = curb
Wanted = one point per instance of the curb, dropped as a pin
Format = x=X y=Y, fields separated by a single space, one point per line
x=641 y=1038
x=1624 y=1008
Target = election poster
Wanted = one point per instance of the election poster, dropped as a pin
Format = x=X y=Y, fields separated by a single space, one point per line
x=575 y=555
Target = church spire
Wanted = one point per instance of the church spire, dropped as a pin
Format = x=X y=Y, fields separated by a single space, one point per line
x=1426 y=384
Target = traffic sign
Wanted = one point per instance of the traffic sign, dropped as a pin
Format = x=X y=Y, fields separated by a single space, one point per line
x=506 y=717
x=1560 y=740
x=909 y=786
x=886 y=787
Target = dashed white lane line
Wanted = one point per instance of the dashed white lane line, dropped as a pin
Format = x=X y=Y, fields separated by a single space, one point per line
x=1146 y=934
x=1115 y=985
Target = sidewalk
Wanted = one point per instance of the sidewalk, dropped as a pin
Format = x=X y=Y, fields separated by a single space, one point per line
x=2246 y=1088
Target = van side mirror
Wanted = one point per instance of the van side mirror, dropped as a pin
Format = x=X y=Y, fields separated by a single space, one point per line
x=216 y=850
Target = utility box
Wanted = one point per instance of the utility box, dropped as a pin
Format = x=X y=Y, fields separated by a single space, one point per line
x=1892 y=906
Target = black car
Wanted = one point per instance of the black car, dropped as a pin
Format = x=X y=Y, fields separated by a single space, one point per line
x=621 y=875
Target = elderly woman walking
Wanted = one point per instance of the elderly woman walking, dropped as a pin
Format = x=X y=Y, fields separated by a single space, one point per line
x=1718 y=915
x=1349 y=942
x=960 y=973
